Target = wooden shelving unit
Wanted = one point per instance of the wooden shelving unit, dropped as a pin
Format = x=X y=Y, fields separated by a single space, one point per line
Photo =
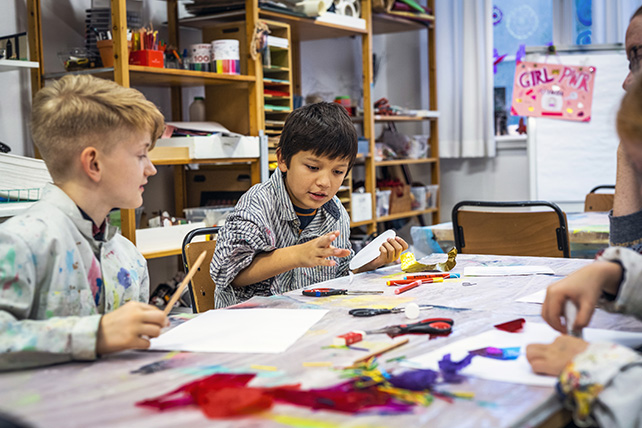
x=244 y=110
x=246 y=118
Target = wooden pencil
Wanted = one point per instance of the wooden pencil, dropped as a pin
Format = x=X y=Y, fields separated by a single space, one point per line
x=179 y=291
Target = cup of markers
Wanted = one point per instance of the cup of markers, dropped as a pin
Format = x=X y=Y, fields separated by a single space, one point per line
x=226 y=57
x=200 y=56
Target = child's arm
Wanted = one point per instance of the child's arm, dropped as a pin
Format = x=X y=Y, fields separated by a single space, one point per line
x=389 y=252
x=313 y=253
x=129 y=327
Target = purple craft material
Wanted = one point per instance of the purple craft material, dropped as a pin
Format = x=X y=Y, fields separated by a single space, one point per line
x=415 y=380
x=450 y=369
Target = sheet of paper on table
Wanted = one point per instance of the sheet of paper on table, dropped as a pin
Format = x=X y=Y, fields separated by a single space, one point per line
x=258 y=330
x=537 y=297
x=507 y=270
x=513 y=371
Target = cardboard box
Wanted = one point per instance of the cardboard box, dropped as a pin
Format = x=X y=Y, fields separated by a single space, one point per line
x=147 y=58
x=361 y=207
x=217 y=146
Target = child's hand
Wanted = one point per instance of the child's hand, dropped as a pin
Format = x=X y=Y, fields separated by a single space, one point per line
x=128 y=327
x=584 y=287
x=551 y=359
x=316 y=252
x=388 y=252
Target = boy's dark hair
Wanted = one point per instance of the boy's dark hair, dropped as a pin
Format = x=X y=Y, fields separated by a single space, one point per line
x=323 y=128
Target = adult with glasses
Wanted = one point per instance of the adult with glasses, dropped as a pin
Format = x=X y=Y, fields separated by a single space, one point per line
x=626 y=218
x=601 y=381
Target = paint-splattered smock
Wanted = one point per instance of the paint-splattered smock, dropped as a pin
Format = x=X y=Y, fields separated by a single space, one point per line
x=603 y=382
x=56 y=281
x=264 y=220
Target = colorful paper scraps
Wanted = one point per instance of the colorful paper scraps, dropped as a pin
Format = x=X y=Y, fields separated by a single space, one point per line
x=367 y=389
x=409 y=264
x=498 y=353
x=553 y=91
x=514 y=326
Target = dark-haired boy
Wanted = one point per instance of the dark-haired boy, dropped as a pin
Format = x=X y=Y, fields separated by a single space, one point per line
x=292 y=231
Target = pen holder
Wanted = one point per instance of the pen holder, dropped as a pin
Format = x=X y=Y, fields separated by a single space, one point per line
x=147 y=57
x=106 y=49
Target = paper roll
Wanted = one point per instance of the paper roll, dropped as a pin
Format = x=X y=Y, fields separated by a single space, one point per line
x=313 y=8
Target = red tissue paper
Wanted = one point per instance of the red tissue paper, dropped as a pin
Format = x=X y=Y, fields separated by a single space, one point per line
x=514 y=326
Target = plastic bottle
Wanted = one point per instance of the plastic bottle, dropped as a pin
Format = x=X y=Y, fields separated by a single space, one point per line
x=197 y=110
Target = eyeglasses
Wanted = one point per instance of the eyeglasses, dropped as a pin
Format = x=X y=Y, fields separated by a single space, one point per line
x=635 y=59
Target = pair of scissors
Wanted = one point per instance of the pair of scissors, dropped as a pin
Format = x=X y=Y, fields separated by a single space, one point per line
x=322 y=292
x=434 y=326
x=370 y=312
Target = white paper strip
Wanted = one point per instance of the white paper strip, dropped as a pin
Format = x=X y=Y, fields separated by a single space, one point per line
x=507 y=270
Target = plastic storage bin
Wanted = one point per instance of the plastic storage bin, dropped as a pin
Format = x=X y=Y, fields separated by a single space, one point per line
x=361 y=207
x=431 y=195
x=420 y=201
x=383 y=202
x=212 y=216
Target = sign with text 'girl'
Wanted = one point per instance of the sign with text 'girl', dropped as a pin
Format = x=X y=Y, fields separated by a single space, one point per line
x=554 y=91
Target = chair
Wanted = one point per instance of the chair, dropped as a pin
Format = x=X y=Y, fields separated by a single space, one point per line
x=511 y=233
x=599 y=201
x=201 y=287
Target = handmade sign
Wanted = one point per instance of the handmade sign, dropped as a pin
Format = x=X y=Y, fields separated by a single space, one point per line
x=554 y=91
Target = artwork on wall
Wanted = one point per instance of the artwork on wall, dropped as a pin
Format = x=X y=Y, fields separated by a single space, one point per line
x=555 y=91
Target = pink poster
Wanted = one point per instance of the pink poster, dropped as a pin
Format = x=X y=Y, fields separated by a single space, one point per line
x=554 y=91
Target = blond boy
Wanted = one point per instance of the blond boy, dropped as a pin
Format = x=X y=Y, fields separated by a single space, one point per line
x=71 y=287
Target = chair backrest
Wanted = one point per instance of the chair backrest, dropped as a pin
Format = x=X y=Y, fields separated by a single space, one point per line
x=599 y=201
x=511 y=233
x=201 y=287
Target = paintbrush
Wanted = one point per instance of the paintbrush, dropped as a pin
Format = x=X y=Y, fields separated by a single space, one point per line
x=179 y=291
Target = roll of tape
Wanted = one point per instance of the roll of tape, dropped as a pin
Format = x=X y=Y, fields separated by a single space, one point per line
x=225 y=49
x=346 y=7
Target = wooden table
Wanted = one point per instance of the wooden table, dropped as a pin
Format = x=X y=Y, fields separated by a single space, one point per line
x=103 y=393
x=588 y=233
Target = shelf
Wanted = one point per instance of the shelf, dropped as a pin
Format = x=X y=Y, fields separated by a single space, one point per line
x=405 y=215
x=153 y=76
x=163 y=241
x=302 y=28
x=433 y=116
x=15 y=64
x=275 y=69
x=9 y=209
x=360 y=223
x=274 y=97
x=184 y=161
x=405 y=161
x=383 y=23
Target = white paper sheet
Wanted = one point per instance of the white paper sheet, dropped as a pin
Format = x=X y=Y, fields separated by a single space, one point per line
x=507 y=270
x=371 y=251
x=513 y=371
x=537 y=297
x=259 y=330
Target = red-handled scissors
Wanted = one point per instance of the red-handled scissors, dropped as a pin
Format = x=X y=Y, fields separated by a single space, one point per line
x=436 y=326
x=322 y=292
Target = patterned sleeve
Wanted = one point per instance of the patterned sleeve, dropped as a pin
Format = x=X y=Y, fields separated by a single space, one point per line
x=29 y=343
x=602 y=383
x=626 y=231
x=243 y=236
x=629 y=296
x=343 y=264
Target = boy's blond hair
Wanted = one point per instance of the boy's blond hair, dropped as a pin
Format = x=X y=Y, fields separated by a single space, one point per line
x=79 y=111
x=629 y=117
